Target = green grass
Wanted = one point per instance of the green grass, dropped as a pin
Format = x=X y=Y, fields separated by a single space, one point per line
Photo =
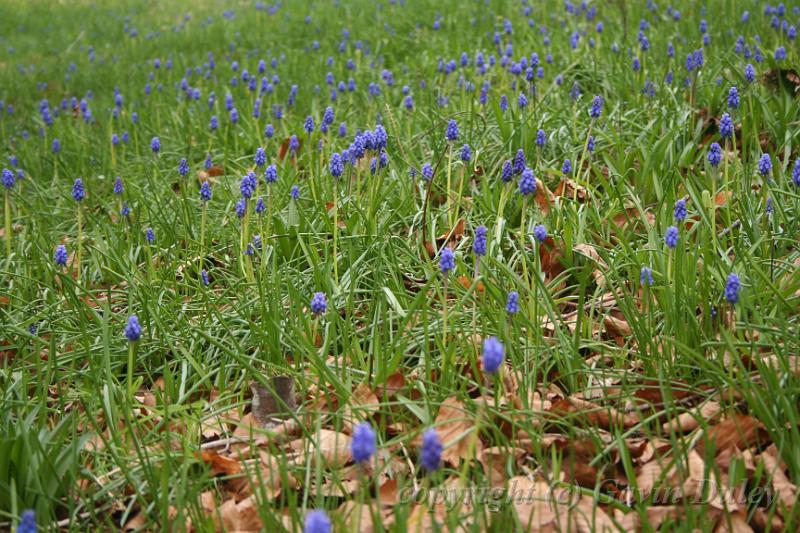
x=85 y=454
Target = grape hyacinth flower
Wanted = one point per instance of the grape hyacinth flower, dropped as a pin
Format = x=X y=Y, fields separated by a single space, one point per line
x=512 y=303
x=732 y=288
x=493 y=355
x=294 y=192
x=466 y=153
x=733 y=98
x=764 y=165
x=8 y=179
x=507 y=173
x=541 y=138
x=78 y=190
x=430 y=454
x=205 y=191
x=566 y=168
x=519 y=161
x=714 y=155
x=133 y=330
x=540 y=232
x=451 y=132
x=671 y=237
x=646 y=277
x=60 y=255
x=726 y=126
x=527 y=183
x=336 y=165
x=319 y=303
x=447 y=260
x=260 y=157
x=204 y=277
x=155 y=145
x=183 y=167
x=427 y=171
x=479 y=245
x=27 y=522
x=680 y=210
x=317 y=522
x=363 y=445
x=150 y=235
x=118 y=186
x=596 y=108
x=796 y=173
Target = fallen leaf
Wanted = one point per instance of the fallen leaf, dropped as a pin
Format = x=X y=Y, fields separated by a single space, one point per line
x=741 y=431
x=456 y=428
x=330 y=446
x=604 y=417
x=221 y=464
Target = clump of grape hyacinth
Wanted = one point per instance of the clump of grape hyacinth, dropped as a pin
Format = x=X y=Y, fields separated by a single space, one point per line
x=363 y=445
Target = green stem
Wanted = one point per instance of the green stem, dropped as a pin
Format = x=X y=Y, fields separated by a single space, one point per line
x=131 y=354
x=8 y=224
x=80 y=242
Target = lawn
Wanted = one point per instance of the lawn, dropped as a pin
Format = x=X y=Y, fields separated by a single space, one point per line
x=407 y=265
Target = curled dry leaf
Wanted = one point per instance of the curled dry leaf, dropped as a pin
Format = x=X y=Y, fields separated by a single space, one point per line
x=785 y=489
x=740 y=431
x=690 y=420
x=543 y=197
x=331 y=447
x=363 y=404
x=591 y=252
x=456 y=429
x=604 y=417
x=220 y=464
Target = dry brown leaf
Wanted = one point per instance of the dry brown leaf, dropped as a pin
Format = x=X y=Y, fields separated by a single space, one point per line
x=785 y=489
x=242 y=516
x=332 y=447
x=363 y=404
x=733 y=523
x=590 y=251
x=543 y=197
x=221 y=464
x=741 y=431
x=569 y=188
x=690 y=420
x=494 y=463
x=604 y=417
x=456 y=428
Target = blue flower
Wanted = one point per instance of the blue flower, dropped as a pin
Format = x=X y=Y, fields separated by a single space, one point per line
x=118 y=187
x=60 y=255
x=451 y=132
x=796 y=173
x=540 y=232
x=733 y=98
x=427 y=171
x=319 y=303
x=204 y=276
x=479 y=246
x=133 y=331
x=522 y=100
x=8 y=178
x=726 y=126
x=466 y=153
x=56 y=146
x=749 y=73
x=183 y=167
x=430 y=454
x=336 y=165
x=680 y=210
x=507 y=172
x=155 y=145
x=527 y=183
x=596 y=108
x=27 y=522
x=260 y=157
x=205 y=191
x=271 y=174
x=541 y=138
x=671 y=237
x=566 y=168
x=764 y=165
x=732 y=288
x=512 y=302
x=295 y=192
x=78 y=191
x=493 y=355
x=447 y=260
x=241 y=207
x=317 y=522
x=150 y=235
x=363 y=445
x=519 y=161
x=309 y=124
x=646 y=276
x=714 y=154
